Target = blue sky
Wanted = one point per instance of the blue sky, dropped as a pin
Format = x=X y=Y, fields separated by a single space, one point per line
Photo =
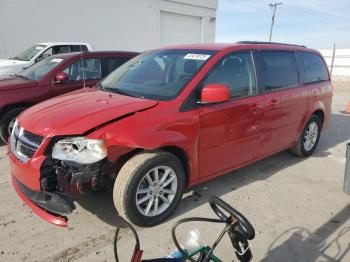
x=315 y=23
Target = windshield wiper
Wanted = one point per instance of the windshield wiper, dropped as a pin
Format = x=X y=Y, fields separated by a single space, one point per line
x=122 y=92
x=16 y=58
x=99 y=86
x=22 y=76
x=117 y=91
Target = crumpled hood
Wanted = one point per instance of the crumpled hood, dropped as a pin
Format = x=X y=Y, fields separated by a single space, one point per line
x=78 y=112
x=11 y=83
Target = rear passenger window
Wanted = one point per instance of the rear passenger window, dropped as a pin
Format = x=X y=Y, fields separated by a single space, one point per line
x=313 y=68
x=277 y=69
x=59 y=49
x=237 y=72
x=113 y=63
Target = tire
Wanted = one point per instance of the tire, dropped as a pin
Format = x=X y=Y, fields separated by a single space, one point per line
x=301 y=149
x=131 y=185
x=5 y=121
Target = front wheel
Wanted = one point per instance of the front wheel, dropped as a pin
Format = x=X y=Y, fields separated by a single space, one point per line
x=149 y=187
x=309 y=138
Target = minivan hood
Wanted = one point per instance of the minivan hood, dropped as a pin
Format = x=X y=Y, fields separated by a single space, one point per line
x=76 y=113
x=12 y=82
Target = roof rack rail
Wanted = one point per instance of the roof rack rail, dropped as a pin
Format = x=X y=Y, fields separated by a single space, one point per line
x=266 y=43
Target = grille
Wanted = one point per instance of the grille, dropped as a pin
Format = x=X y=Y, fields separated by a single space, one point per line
x=33 y=137
x=24 y=144
x=29 y=152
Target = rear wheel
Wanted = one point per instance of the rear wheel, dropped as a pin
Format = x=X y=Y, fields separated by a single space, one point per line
x=309 y=138
x=7 y=122
x=149 y=187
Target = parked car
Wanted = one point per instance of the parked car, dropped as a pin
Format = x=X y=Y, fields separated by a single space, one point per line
x=38 y=52
x=166 y=120
x=51 y=77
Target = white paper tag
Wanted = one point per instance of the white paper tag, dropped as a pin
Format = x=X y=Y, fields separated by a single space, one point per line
x=56 y=60
x=197 y=56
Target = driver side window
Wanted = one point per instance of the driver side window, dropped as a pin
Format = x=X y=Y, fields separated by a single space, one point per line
x=45 y=54
x=237 y=72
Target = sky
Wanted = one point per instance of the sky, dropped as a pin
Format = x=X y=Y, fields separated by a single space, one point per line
x=314 y=23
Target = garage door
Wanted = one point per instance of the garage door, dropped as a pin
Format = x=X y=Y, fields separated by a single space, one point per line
x=179 y=29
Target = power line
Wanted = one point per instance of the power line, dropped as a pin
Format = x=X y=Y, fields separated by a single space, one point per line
x=274 y=6
x=302 y=8
x=315 y=10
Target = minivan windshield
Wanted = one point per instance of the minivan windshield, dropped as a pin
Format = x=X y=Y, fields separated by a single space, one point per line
x=29 y=53
x=158 y=75
x=40 y=69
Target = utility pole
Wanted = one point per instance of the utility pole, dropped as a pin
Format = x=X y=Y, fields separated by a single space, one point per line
x=333 y=56
x=273 y=5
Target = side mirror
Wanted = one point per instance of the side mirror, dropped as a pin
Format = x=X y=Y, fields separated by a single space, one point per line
x=215 y=93
x=61 y=77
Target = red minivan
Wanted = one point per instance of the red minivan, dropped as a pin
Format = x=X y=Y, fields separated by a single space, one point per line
x=166 y=120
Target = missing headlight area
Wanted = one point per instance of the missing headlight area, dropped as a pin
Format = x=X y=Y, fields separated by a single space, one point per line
x=73 y=178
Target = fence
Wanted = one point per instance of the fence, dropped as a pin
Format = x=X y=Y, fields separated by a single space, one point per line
x=341 y=64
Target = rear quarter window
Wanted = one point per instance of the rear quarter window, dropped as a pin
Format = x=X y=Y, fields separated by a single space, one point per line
x=312 y=67
x=277 y=70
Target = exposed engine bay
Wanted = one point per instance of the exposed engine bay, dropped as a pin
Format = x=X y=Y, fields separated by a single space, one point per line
x=67 y=180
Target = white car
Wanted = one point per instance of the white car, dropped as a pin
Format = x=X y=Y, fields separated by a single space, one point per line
x=38 y=52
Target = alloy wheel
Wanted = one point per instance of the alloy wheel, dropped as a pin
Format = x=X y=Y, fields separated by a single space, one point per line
x=156 y=191
x=310 y=137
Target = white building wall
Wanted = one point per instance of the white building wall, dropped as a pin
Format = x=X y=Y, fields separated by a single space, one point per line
x=107 y=24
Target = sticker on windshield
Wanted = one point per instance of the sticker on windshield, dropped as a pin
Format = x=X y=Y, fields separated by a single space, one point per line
x=197 y=56
x=39 y=47
x=56 y=60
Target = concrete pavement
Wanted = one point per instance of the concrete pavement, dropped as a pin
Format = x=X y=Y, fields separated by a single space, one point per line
x=296 y=206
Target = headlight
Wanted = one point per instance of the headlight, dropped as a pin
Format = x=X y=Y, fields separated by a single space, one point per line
x=80 y=149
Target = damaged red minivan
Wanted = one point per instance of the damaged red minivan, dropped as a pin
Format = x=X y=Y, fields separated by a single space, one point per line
x=166 y=120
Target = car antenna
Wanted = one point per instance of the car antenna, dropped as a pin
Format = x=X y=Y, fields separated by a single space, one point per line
x=82 y=65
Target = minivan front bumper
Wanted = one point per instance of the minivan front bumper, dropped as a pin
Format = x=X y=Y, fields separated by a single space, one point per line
x=26 y=194
x=51 y=206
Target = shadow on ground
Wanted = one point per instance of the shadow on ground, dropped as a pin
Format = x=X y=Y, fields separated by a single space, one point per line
x=101 y=203
x=290 y=245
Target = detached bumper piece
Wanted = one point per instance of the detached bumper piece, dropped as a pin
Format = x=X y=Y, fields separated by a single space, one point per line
x=51 y=206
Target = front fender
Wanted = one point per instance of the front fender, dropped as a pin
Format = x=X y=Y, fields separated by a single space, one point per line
x=148 y=133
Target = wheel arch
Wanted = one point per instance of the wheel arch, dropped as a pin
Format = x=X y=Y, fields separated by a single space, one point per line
x=317 y=108
x=178 y=152
x=9 y=107
x=182 y=156
x=320 y=114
